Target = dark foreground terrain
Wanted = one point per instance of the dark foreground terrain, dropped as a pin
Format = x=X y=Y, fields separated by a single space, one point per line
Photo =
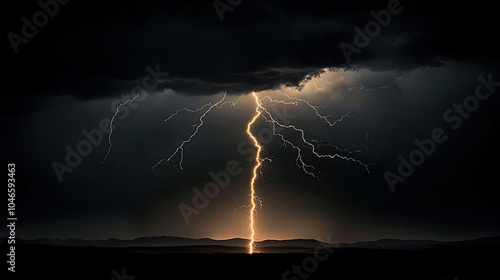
x=212 y=262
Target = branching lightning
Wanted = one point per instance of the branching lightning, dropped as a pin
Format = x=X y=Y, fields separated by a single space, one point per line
x=307 y=168
x=316 y=109
x=286 y=132
x=305 y=145
x=248 y=206
x=321 y=143
x=182 y=147
x=187 y=110
x=261 y=111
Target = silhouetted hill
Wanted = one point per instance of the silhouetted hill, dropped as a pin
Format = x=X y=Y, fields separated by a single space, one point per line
x=420 y=244
x=171 y=241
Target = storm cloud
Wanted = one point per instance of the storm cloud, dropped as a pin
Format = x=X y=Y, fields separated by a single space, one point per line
x=94 y=49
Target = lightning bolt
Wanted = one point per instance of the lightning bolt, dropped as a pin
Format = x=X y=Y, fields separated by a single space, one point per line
x=259 y=200
x=321 y=143
x=110 y=143
x=316 y=109
x=182 y=147
x=187 y=110
x=255 y=171
x=307 y=168
x=261 y=112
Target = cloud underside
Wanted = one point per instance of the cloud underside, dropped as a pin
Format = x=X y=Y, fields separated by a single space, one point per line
x=259 y=45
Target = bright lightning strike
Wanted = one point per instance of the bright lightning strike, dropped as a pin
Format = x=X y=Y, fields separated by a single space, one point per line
x=262 y=112
x=256 y=169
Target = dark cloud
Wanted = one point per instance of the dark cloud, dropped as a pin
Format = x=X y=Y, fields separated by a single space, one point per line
x=93 y=49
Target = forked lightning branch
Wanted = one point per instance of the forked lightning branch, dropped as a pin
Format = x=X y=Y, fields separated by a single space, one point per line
x=304 y=148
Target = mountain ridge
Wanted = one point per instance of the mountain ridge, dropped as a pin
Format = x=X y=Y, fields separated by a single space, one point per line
x=175 y=241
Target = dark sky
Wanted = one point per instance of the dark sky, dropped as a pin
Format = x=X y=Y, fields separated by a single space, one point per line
x=412 y=77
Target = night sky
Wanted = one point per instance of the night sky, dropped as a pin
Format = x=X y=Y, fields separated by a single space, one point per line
x=430 y=72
